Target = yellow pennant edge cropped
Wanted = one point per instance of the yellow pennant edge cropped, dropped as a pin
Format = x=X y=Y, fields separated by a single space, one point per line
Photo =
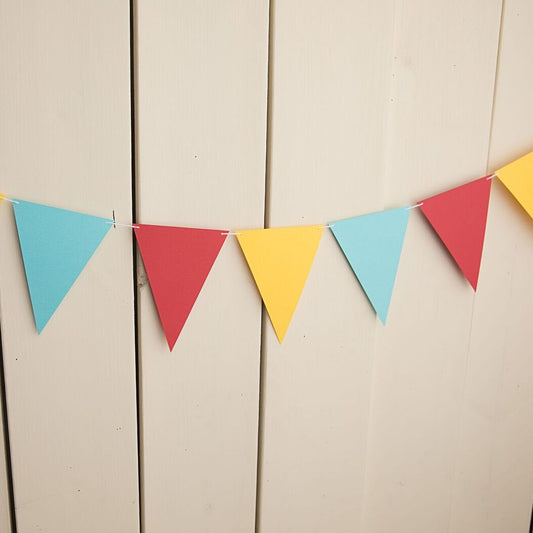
x=518 y=178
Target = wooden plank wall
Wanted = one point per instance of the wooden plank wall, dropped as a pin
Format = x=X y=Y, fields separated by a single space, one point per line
x=65 y=141
x=201 y=117
x=412 y=427
x=422 y=425
x=495 y=470
x=438 y=137
x=326 y=159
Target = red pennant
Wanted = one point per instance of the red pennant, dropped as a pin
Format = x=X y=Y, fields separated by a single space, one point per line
x=177 y=261
x=459 y=217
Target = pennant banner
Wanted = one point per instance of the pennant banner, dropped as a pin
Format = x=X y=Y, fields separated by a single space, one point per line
x=372 y=245
x=459 y=217
x=280 y=260
x=56 y=245
x=177 y=262
x=518 y=178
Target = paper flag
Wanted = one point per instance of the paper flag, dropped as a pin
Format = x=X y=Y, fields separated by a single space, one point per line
x=373 y=246
x=56 y=245
x=518 y=178
x=280 y=260
x=459 y=217
x=177 y=262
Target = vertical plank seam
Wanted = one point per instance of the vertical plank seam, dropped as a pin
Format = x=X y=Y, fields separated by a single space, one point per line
x=133 y=140
x=268 y=136
x=489 y=151
x=495 y=85
x=7 y=443
x=266 y=224
x=531 y=522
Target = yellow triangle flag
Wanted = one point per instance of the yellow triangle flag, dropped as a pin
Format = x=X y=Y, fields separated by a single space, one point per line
x=2 y=196
x=280 y=260
x=518 y=178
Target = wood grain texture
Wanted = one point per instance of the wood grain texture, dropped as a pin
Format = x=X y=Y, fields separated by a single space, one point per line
x=329 y=88
x=201 y=111
x=440 y=107
x=424 y=468
x=422 y=425
x=65 y=141
x=493 y=481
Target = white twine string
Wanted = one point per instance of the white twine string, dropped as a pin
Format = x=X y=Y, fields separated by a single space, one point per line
x=121 y=225
x=492 y=176
x=236 y=233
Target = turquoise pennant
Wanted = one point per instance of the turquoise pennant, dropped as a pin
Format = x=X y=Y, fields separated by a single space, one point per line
x=56 y=245
x=373 y=245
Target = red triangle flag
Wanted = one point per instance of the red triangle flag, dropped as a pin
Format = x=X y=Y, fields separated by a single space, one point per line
x=459 y=217
x=177 y=262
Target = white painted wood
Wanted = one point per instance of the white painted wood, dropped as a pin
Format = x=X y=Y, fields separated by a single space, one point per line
x=420 y=426
x=428 y=361
x=493 y=480
x=201 y=110
x=329 y=88
x=440 y=105
x=65 y=141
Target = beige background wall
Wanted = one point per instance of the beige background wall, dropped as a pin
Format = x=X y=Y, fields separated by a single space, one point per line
x=65 y=141
x=284 y=113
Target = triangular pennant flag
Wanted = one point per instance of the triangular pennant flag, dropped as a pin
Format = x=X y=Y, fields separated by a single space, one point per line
x=518 y=178
x=459 y=217
x=280 y=260
x=373 y=246
x=2 y=196
x=56 y=245
x=177 y=262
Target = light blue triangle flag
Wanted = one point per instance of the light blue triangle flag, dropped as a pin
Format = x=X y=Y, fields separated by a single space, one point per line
x=373 y=245
x=56 y=245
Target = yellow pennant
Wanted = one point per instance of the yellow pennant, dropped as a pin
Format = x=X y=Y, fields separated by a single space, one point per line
x=280 y=260
x=2 y=196
x=518 y=178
